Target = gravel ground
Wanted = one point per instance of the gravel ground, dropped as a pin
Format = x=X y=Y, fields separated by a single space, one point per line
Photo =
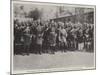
x=57 y=60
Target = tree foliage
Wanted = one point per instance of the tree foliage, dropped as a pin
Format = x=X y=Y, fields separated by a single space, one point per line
x=35 y=14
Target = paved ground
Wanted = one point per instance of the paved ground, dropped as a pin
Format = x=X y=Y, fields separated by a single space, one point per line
x=57 y=60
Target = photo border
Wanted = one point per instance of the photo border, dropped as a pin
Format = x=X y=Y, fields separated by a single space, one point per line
x=48 y=70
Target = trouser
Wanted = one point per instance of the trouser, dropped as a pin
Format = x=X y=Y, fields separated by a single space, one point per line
x=88 y=46
x=39 y=48
x=80 y=46
x=26 y=49
x=52 y=49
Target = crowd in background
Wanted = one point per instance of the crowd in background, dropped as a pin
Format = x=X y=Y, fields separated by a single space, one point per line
x=49 y=37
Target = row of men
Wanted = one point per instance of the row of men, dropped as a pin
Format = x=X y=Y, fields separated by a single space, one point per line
x=49 y=37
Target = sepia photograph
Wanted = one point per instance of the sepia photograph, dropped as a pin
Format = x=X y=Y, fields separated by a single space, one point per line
x=52 y=37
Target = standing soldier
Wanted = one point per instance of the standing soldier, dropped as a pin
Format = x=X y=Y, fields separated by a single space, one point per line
x=46 y=33
x=52 y=38
x=92 y=37
x=27 y=39
x=70 y=37
x=33 y=43
x=74 y=34
x=88 y=36
x=39 y=39
x=58 y=38
x=63 y=36
x=80 y=39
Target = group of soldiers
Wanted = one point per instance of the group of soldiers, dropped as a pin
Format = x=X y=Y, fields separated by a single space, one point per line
x=51 y=36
